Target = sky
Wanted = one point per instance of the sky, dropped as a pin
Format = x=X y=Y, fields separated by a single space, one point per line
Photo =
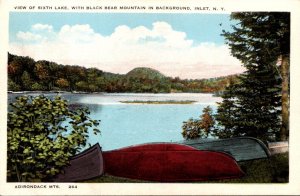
x=185 y=45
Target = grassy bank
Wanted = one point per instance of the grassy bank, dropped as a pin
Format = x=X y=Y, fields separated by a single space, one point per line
x=272 y=170
x=159 y=102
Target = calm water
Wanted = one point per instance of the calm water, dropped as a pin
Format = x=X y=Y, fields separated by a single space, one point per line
x=129 y=124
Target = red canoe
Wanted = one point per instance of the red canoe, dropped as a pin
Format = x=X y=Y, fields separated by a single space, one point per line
x=166 y=162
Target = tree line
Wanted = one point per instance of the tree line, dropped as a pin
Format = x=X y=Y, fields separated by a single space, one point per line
x=26 y=74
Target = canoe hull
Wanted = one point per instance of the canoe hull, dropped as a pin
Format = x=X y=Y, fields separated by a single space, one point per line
x=86 y=165
x=241 y=148
x=170 y=163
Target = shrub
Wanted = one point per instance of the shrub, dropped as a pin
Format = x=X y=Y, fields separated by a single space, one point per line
x=199 y=128
x=42 y=135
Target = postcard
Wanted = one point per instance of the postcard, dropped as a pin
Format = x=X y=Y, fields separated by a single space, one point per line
x=149 y=97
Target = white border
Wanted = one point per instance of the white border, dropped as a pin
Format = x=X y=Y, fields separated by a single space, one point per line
x=292 y=187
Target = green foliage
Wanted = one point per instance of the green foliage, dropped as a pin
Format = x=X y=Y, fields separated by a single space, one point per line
x=226 y=113
x=26 y=74
x=143 y=79
x=191 y=129
x=62 y=83
x=259 y=36
x=15 y=69
x=252 y=106
x=280 y=167
x=207 y=121
x=144 y=72
x=26 y=80
x=199 y=128
x=13 y=86
x=272 y=170
x=42 y=135
x=37 y=87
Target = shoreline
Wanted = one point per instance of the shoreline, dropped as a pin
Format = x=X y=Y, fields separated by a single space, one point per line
x=83 y=92
x=159 y=102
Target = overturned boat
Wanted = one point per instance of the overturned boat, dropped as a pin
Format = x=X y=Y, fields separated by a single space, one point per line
x=169 y=162
x=83 y=166
x=241 y=148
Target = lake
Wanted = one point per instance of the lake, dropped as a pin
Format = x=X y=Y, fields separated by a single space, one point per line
x=124 y=124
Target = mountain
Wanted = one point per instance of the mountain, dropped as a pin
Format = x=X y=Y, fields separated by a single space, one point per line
x=146 y=73
x=26 y=74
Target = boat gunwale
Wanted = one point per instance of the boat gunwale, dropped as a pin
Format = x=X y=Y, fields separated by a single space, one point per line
x=264 y=147
x=87 y=151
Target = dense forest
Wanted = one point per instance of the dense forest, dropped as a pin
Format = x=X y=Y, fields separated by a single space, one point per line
x=25 y=74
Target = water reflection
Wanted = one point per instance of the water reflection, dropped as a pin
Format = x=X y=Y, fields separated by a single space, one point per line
x=94 y=108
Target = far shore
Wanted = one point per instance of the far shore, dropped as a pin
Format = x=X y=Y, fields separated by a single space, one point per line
x=159 y=102
x=52 y=91
x=84 y=92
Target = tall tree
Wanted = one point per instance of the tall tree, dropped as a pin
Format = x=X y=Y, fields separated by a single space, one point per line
x=41 y=71
x=15 y=69
x=263 y=39
x=226 y=113
x=207 y=121
x=26 y=80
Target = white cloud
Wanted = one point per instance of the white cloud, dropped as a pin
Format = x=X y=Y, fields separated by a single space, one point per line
x=160 y=47
x=39 y=33
x=78 y=34
x=28 y=36
x=42 y=27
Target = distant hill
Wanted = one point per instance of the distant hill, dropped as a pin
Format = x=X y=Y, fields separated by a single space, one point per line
x=145 y=72
x=26 y=74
